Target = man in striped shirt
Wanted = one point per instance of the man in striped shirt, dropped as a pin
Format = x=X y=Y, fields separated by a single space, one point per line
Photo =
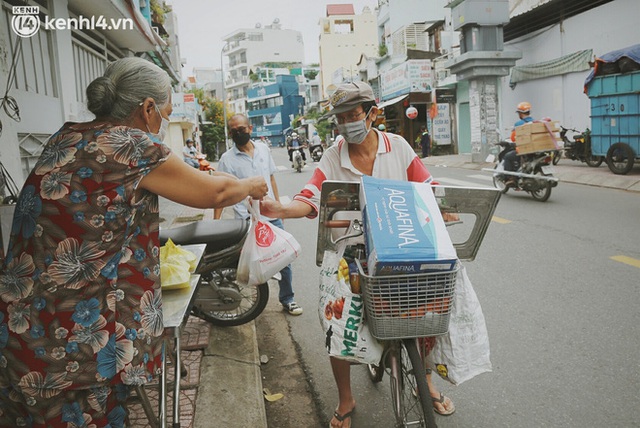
x=361 y=150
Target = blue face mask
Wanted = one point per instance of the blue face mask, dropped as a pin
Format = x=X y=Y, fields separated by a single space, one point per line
x=164 y=126
x=355 y=132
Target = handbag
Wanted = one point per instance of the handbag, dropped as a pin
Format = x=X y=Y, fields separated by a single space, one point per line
x=463 y=352
x=341 y=313
x=266 y=251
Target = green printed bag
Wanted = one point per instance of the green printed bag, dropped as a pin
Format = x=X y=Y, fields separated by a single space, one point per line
x=341 y=315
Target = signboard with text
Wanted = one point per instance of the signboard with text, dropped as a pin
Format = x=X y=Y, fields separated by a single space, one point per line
x=410 y=76
x=441 y=130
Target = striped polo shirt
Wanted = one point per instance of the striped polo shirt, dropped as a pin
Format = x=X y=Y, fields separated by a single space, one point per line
x=395 y=160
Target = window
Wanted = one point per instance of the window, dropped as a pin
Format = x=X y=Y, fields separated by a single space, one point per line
x=35 y=71
x=344 y=26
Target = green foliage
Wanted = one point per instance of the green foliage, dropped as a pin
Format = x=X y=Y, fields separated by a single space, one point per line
x=310 y=74
x=382 y=50
x=322 y=127
x=212 y=134
x=158 y=9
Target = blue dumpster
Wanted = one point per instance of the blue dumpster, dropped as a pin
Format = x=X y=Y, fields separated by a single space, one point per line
x=615 y=118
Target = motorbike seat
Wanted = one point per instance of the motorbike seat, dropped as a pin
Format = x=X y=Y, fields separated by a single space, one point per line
x=216 y=234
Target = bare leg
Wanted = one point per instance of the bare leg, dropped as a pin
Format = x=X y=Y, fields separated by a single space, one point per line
x=443 y=408
x=342 y=375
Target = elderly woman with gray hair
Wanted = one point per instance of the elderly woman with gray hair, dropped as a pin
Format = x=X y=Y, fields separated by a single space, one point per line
x=80 y=300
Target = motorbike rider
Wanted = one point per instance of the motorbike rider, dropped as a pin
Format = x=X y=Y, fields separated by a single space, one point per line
x=511 y=158
x=190 y=153
x=315 y=142
x=294 y=142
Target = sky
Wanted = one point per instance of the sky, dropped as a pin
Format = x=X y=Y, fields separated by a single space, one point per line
x=203 y=23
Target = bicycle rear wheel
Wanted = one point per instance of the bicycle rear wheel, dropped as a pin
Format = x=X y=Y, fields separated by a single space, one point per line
x=409 y=390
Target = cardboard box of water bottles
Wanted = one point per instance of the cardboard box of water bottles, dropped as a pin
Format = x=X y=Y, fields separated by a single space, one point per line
x=404 y=229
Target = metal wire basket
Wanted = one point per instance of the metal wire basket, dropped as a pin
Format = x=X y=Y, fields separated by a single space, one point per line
x=405 y=306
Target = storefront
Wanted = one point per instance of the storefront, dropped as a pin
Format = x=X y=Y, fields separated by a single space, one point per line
x=411 y=85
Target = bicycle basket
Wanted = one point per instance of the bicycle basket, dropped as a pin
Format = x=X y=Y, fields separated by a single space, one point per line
x=406 y=306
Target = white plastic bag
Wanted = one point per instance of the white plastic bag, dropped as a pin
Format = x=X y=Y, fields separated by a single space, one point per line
x=463 y=352
x=341 y=315
x=267 y=250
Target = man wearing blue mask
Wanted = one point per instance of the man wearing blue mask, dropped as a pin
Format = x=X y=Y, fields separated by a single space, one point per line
x=361 y=150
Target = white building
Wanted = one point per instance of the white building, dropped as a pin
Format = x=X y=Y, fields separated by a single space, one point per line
x=56 y=66
x=247 y=48
x=602 y=27
x=344 y=38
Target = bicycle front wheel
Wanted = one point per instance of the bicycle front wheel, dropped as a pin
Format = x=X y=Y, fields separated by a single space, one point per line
x=409 y=390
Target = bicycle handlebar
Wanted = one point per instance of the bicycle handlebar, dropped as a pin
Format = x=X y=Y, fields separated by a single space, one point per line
x=337 y=223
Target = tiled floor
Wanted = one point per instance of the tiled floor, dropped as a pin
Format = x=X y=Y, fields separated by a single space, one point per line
x=195 y=337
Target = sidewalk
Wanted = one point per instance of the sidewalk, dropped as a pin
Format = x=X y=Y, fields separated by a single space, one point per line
x=224 y=384
x=567 y=171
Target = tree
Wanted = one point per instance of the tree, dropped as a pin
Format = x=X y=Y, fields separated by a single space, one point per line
x=212 y=133
x=323 y=127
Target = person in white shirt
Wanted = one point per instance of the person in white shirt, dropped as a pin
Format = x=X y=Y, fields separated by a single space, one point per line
x=190 y=154
x=248 y=158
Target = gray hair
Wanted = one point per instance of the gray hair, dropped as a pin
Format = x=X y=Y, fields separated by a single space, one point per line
x=124 y=85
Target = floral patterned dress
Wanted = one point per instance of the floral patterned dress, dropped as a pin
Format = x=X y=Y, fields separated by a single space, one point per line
x=80 y=300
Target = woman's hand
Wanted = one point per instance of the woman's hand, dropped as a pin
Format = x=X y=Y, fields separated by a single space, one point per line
x=258 y=187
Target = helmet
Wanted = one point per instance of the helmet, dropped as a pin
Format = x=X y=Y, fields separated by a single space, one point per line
x=294 y=135
x=382 y=127
x=524 y=107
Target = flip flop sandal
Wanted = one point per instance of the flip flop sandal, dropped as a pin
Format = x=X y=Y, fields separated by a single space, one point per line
x=341 y=418
x=442 y=400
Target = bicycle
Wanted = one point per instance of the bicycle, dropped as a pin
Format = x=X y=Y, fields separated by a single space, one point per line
x=402 y=309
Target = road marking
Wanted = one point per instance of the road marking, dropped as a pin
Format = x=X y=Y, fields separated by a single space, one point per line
x=500 y=220
x=627 y=260
x=484 y=177
x=456 y=182
x=281 y=168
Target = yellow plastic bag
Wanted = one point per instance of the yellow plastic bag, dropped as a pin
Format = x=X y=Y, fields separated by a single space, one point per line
x=176 y=265
x=171 y=250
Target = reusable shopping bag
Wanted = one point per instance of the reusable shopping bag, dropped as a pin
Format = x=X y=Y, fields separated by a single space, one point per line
x=266 y=251
x=463 y=352
x=341 y=314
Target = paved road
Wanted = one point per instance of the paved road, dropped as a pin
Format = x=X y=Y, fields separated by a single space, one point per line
x=562 y=319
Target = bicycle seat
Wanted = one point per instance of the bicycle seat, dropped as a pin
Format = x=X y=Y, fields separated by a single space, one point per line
x=216 y=234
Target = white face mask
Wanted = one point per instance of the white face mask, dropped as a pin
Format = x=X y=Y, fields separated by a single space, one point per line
x=164 y=127
x=355 y=132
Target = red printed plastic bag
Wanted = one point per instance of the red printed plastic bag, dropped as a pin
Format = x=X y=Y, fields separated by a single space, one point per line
x=267 y=250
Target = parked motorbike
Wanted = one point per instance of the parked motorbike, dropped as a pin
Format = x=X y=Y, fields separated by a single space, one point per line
x=580 y=147
x=296 y=160
x=533 y=174
x=316 y=152
x=219 y=299
x=203 y=164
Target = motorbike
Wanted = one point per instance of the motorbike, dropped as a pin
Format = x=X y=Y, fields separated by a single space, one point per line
x=203 y=164
x=316 y=152
x=533 y=174
x=296 y=159
x=580 y=147
x=219 y=298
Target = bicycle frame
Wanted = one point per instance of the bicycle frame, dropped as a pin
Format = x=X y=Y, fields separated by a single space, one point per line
x=402 y=359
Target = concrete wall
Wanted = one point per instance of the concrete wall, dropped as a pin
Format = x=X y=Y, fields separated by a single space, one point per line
x=603 y=29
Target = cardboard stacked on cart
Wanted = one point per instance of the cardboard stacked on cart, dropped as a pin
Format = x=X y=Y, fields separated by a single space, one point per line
x=538 y=136
x=404 y=229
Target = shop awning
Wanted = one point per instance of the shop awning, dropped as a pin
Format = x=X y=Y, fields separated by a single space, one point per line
x=392 y=101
